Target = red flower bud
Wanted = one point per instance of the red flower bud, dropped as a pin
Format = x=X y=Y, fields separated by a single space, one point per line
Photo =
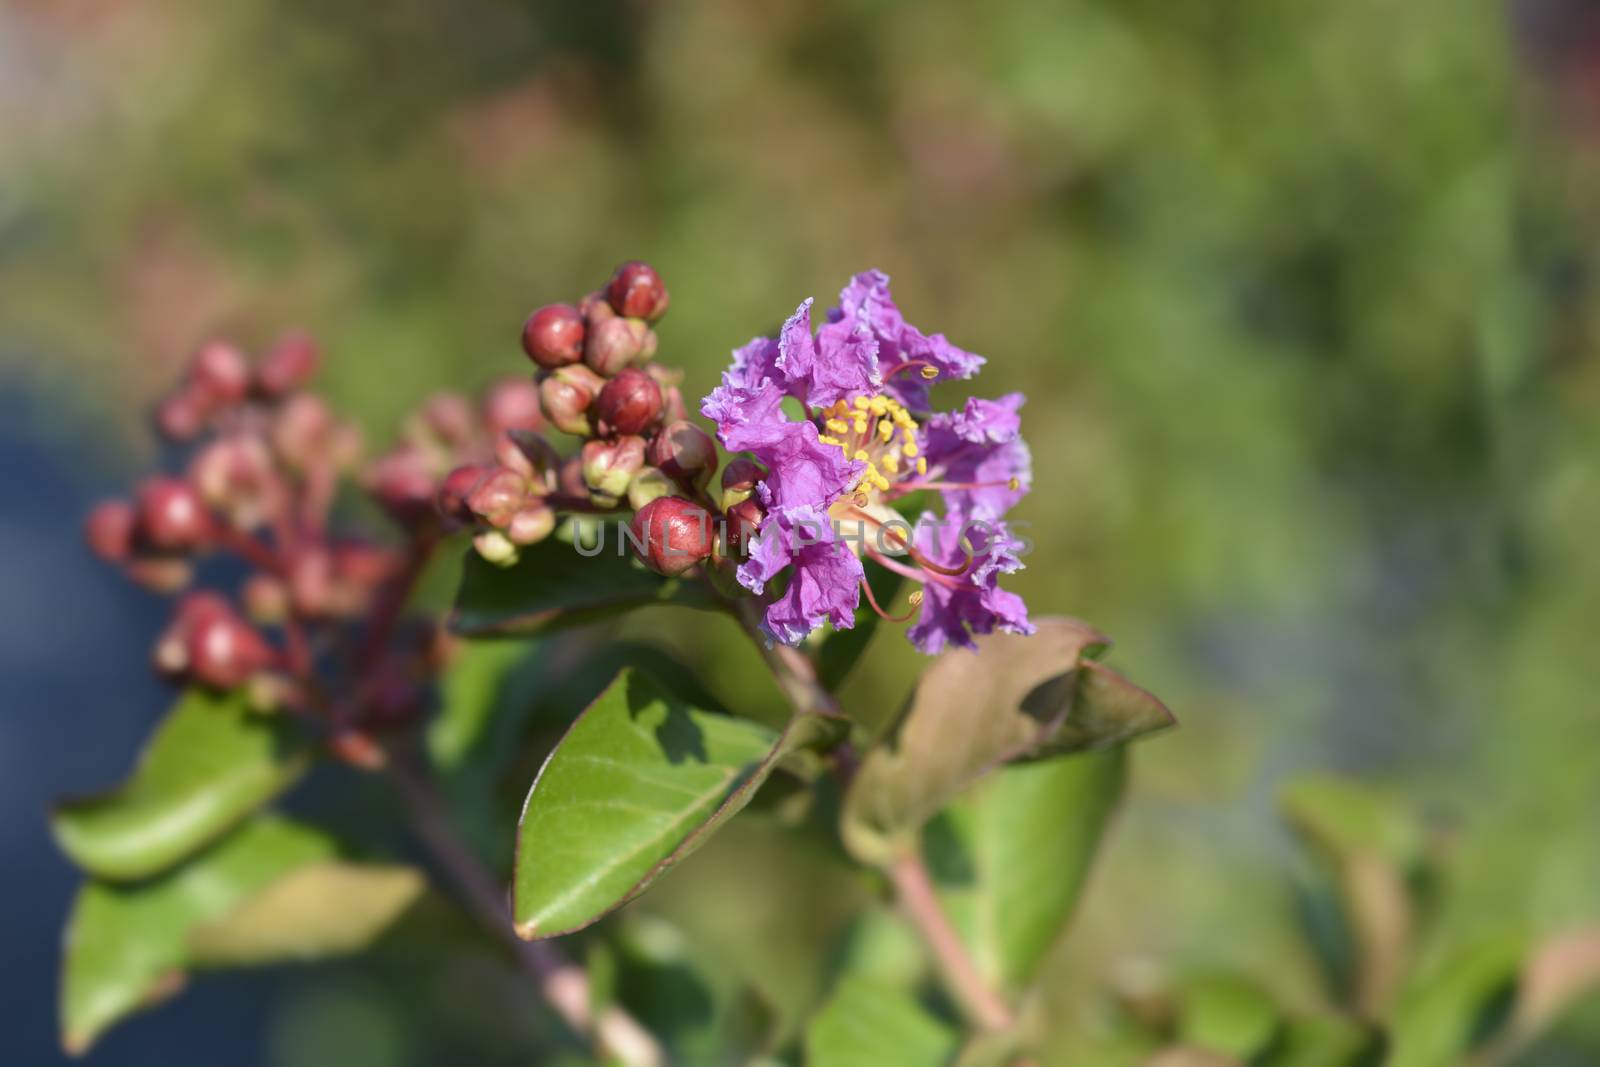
x=500 y=494
x=266 y=599
x=569 y=479
x=566 y=396
x=739 y=480
x=220 y=374
x=595 y=308
x=181 y=415
x=532 y=523
x=402 y=483
x=671 y=535
x=457 y=487
x=290 y=364
x=224 y=651
x=110 y=529
x=672 y=408
x=743 y=519
x=553 y=336
x=530 y=455
x=171 y=653
x=636 y=291
x=630 y=403
x=450 y=419
x=614 y=345
x=685 y=453
x=172 y=517
x=311 y=581
x=496 y=548
x=234 y=475
x=608 y=466
x=303 y=431
x=513 y=404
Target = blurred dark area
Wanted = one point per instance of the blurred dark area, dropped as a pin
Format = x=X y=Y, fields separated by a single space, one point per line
x=1303 y=297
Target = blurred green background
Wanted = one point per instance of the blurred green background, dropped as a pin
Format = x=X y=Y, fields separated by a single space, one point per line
x=1303 y=298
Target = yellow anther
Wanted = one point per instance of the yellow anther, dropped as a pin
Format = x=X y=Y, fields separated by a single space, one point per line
x=922 y=465
x=861 y=499
x=861 y=424
x=930 y=373
x=861 y=455
x=885 y=431
x=1014 y=484
x=880 y=404
x=909 y=450
x=837 y=425
x=880 y=481
x=891 y=462
x=915 y=599
x=827 y=440
x=861 y=402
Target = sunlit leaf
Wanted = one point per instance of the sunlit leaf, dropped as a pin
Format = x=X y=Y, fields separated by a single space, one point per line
x=639 y=781
x=1227 y=1014
x=209 y=765
x=1015 y=698
x=1011 y=856
x=126 y=945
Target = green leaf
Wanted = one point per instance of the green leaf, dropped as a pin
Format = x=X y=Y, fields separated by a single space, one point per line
x=870 y=1023
x=1557 y=974
x=1011 y=856
x=211 y=763
x=1227 y=1014
x=640 y=780
x=322 y=909
x=126 y=945
x=554 y=586
x=1015 y=698
x=1469 y=997
x=1324 y=1041
x=1188 y=1056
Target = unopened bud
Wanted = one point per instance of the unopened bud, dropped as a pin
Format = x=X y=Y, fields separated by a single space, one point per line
x=110 y=530
x=181 y=415
x=649 y=484
x=636 y=292
x=608 y=466
x=569 y=479
x=553 y=336
x=171 y=515
x=358 y=749
x=614 y=345
x=224 y=651
x=220 y=374
x=302 y=431
x=739 y=480
x=743 y=520
x=686 y=454
x=530 y=455
x=630 y=403
x=234 y=475
x=171 y=654
x=513 y=404
x=289 y=364
x=566 y=396
x=672 y=406
x=496 y=548
x=457 y=487
x=450 y=419
x=402 y=483
x=311 y=581
x=532 y=523
x=671 y=535
x=498 y=496
x=595 y=308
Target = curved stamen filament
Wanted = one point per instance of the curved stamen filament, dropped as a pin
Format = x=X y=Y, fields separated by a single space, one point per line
x=917 y=555
x=866 y=589
x=929 y=371
x=913 y=573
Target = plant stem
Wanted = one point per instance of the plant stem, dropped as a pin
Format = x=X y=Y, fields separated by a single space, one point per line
x=563 y=984
x=917 y=898
x=912 y=885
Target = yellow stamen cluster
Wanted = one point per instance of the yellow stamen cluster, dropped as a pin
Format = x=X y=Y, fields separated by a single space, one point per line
x=876 y=431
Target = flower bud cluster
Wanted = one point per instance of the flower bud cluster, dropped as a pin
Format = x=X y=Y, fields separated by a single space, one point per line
x=316 y=612
x=597 y=381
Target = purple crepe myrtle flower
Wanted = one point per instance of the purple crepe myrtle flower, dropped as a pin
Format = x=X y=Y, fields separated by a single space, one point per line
x=862 y=380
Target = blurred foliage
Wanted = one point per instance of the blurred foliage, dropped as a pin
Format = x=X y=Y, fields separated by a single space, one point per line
x=1302 y=296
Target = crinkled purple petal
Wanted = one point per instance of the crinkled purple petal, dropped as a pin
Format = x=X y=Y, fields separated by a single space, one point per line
x=866 y=301
x=824 y=583
x=951 y=615
x=835 y=365
x=979 y=445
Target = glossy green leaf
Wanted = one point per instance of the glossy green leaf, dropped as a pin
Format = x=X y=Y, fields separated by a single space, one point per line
x=127 y=945
x=639 y=781
x=1467 y=999
x=1011 y=856
x=870 y=1023
x=211 y=763
x=554 y=585
x=1015 y=698
x=322 y=909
